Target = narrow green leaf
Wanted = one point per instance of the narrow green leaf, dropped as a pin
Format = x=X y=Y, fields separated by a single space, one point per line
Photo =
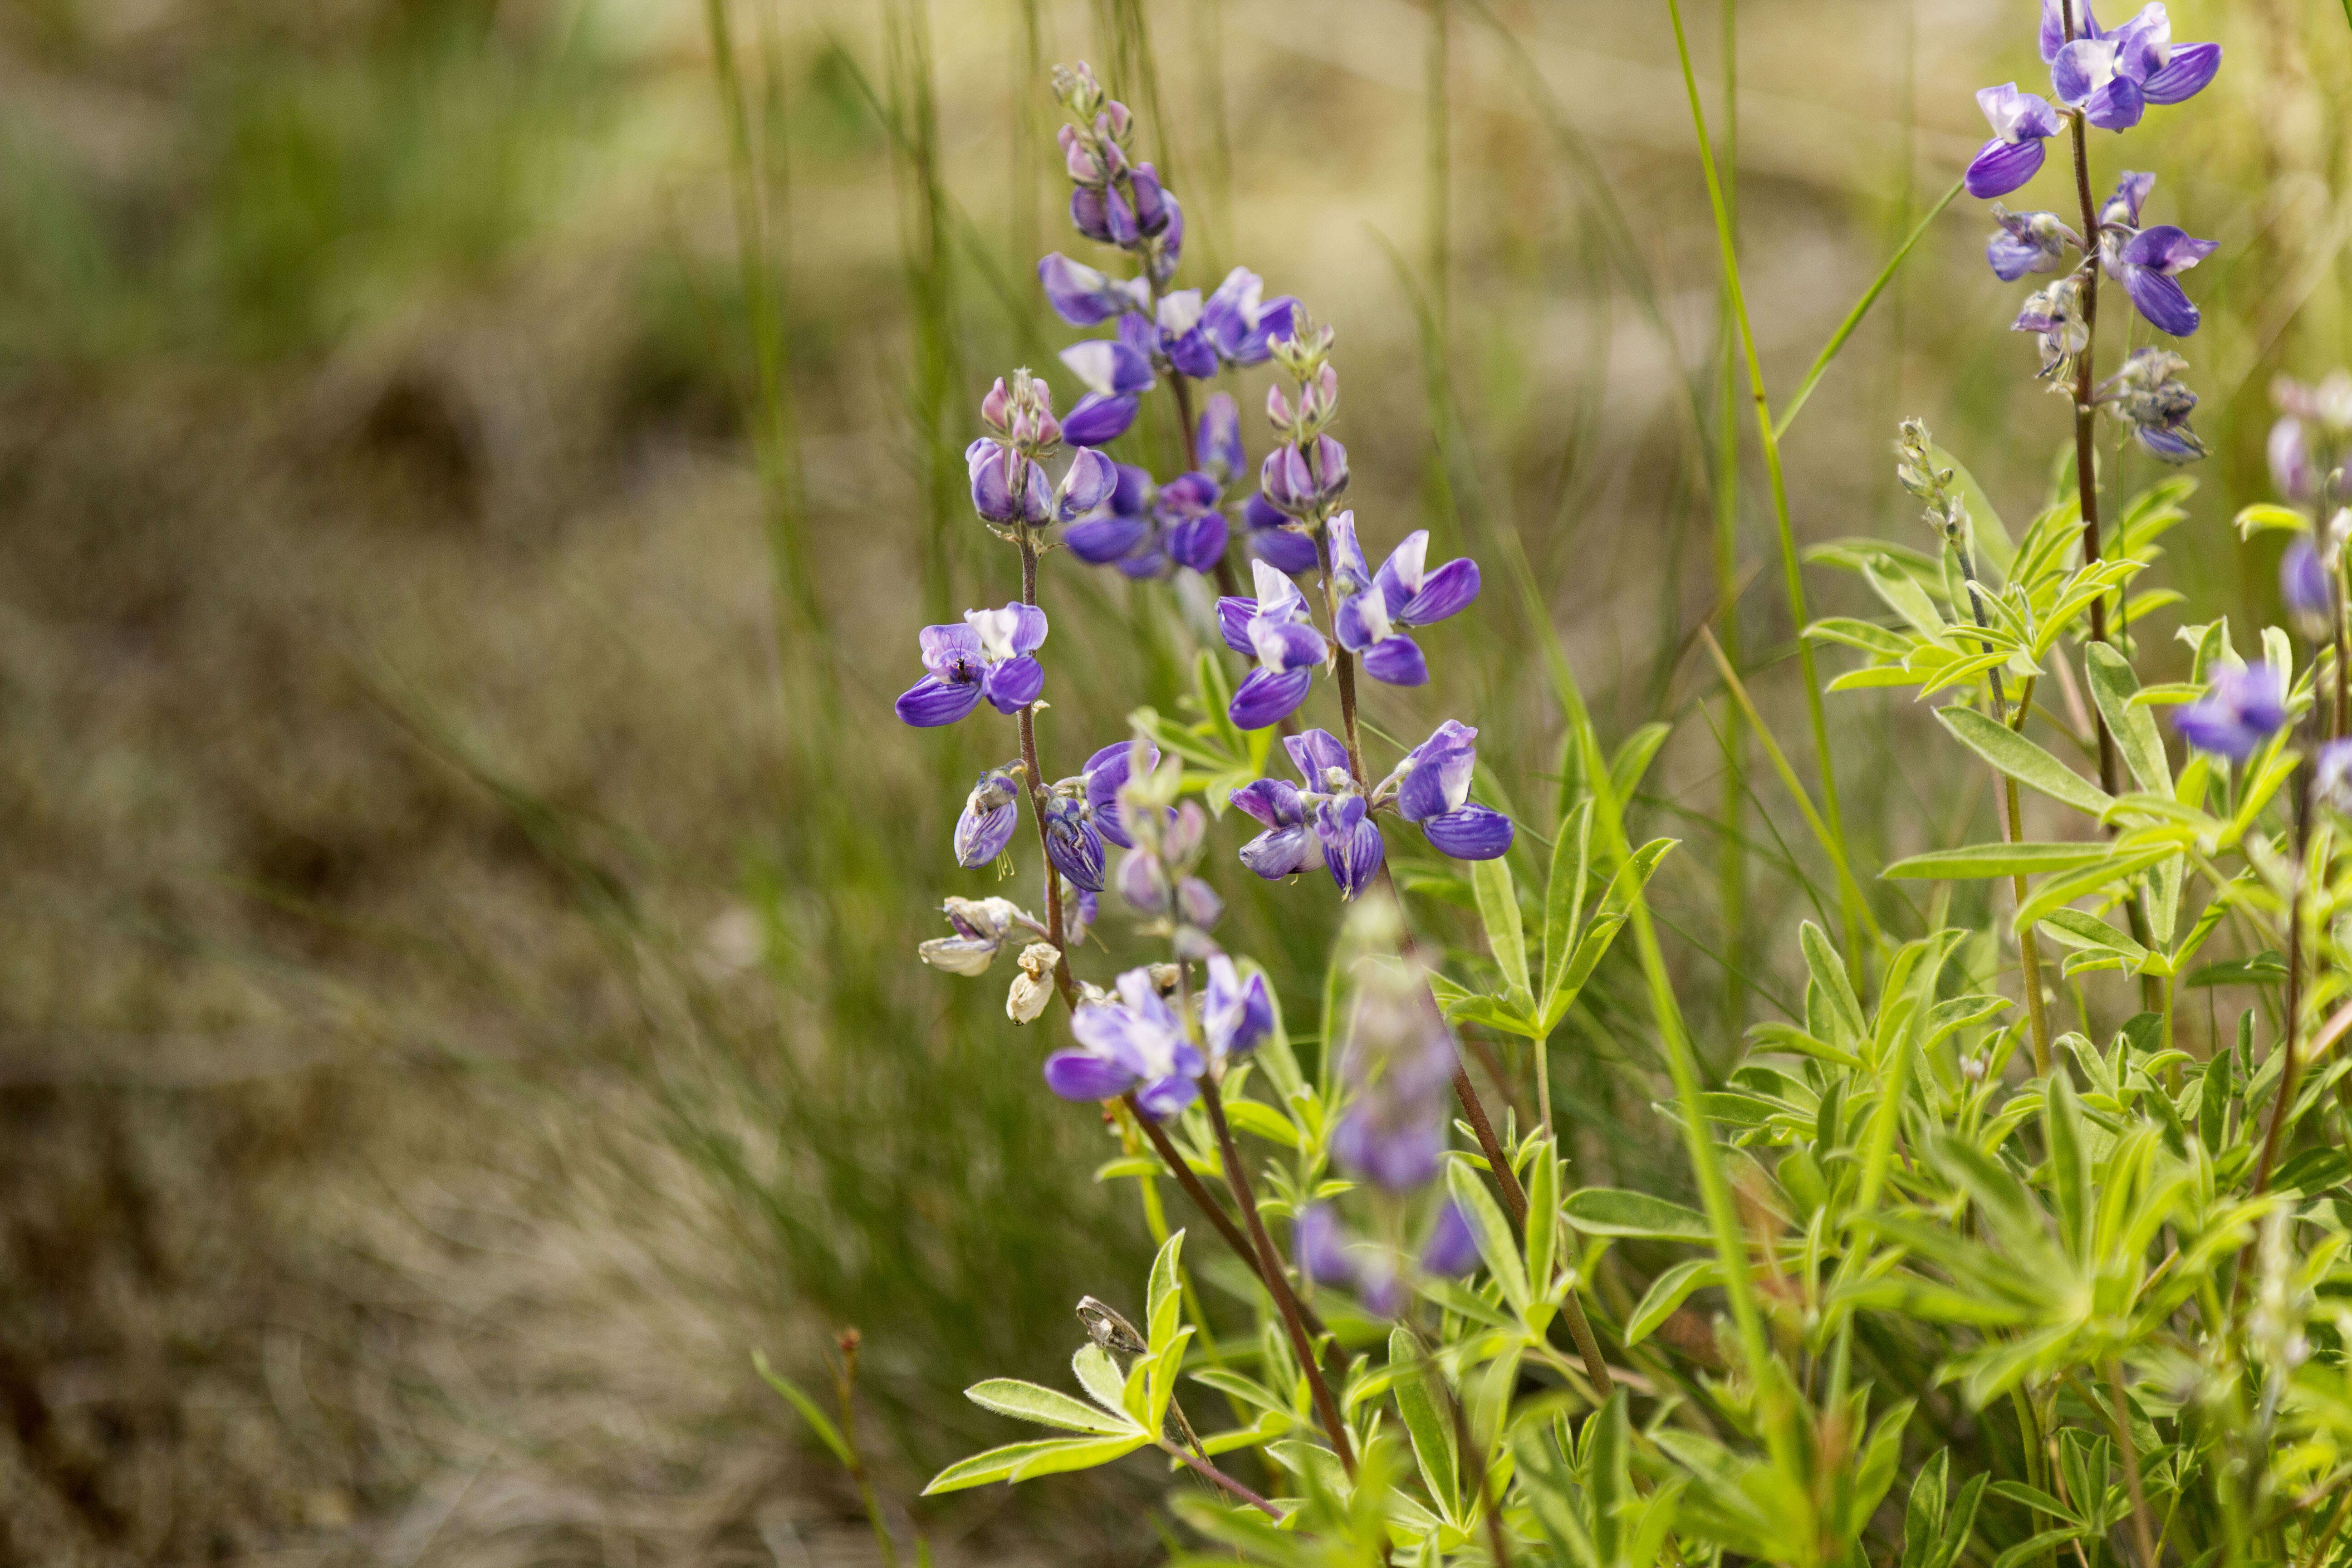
x=1613 y=1211
x=2113 y=686
x=2077 y=929
x=1836 y=987
x=1616 y=905
x=1018 y=1461
x=1264 y=1122
x=1632 y=762
x=2263 y=517
x=1543 y=1217
x=1491 y=1229
x=2072 y=1183
x=1571 y=859
x=1099 y=1376
x=1045 y=1407
x=1418 y=1400
x=818 y=1421
x=2021 y=760
x=1164 y=1301
x=1498 y=910
x=1668 y=1291
x=1973 y=861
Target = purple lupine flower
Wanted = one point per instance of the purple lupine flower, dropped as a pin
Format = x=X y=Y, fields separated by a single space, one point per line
x=1073 y=843
x=2121 y=210
x=1375 y=609
x=1319 y=1245
x=2243 y=707
x=1399 y=1068
x=1137 y=1042
x=1236 y=1015
x=1144 y=883
x=988 y=655
x=2028 y=242
x=1181 y=342
x=990 y=813
x=1086 y=297
x=1106 y=773
x=1353 y=850
x=1118 y=526
x=1276 y=629
x=1290 y=843
x=2020 y=123
x=1148 y=533
x=1008 y=486
x=2303 y=586
x=2055 y=314
x=1451 y=1248
x=1303 y=483
x=1192 y=530
x=1114 y=374
x=1099 y=418
x=2112 y=77
x=2293 y=473
x=1081 y=908
x=982 y=926
x=2147 y=263
x=1271 y=538
x=1431 y=788
x=1241 y=325
x=2148 y=394
x=1218 y=439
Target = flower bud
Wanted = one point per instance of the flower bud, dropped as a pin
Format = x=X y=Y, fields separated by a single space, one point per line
x=1198 y=903
x=995 y=407
x=1278 y=412
x=1114 y=122
x=2293 y=473
x=2303 y=588
x=1033 y=988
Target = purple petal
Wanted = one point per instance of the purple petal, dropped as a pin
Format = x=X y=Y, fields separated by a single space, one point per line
x=1348 y=561
x=1274 y=801
x=1119 y=218
x=1219 y=438
x=2054 y=26
x=1352 y=624
x=1079 y=294
x=1014 y=684
x=2161 y=300
x=1397 y=1158
x=1396 y=661
x=1191 y=355
x=1352 y=849
x=1320 y=1246
x=992 y=489
x=1089 y=214
x=1150 y=202
x=1108 y=365
x=1400 y=575
x=1279 y=852
x=1028 y=628
x=1284 y=645
x=1451 y=1249
x=1232 y=624
x=1999 y=168
x=1469 y=833
x=1082 y=1075
x=1099 y=418
x=1276 y=321
x=1445 y=592
x=1198 y=542
x=1314 y=753
x=1284 y=549
x=2117 y=106
x=1165 y=1098
x=1269 y=697
x=2167 y=248
x=948 y=650
x=931 y=701
x=1087 y=485
x=981 y=836
x=1075 y=847
x=2074 y=69
x=2011 y=257
x=1102 y=540
x=2185 y=76
x=1437 y=772
x=2303 y=579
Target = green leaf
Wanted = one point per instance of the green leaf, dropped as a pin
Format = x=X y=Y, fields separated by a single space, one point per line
x=1099 y=1376
x=2263 y=517
x=1993 y=547
x=1613 y=1211
x=1543 y=1215
x=1492 y=1231
x=1045 y=1407
x=1668 y=1291
x=2113 y=686
x=1165 y=1304
x=1923 y=1518
x=2071 y=1184
x=1996 y=860
x=1907 y=598
x=1418 y=1398
x=2020 y=758
x=1498 y=910
x=1836 y=988
x=1266 y=1122
x=1632 y=762
x=818 y=1421
x=1571 y=858
x=1616 y=906
x=1019 y=1461
x=2077 y=929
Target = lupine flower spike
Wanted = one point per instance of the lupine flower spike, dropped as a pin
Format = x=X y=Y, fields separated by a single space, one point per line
x=988 y=655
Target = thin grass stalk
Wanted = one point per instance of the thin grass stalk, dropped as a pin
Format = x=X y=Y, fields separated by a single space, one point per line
x=1731 y=872
x=928 y=262
x=1854 y=908
x=1027 y=131
x=1854 y=318
x=773 y=428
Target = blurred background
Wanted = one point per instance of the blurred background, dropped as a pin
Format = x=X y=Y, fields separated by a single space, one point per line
x=471 y=472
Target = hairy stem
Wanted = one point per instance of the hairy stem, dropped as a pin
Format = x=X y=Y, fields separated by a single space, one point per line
x=1216 y=1477
x=2283 y=1104
x=1270 y=1269
x=1062 y=982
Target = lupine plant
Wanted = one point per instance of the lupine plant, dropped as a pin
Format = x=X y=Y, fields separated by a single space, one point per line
x=1963 y=1284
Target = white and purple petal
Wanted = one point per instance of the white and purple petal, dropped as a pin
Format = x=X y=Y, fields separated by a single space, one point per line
x=1444 y=592
x=1314 y=753
x=1274 y=801
x=2184 y=75
x=1234 y=616
x=1082 y=1075
x=1079 y=294
x=1108 y=365
x=2000 y=167
x=1353 y=848
x=1090 y=483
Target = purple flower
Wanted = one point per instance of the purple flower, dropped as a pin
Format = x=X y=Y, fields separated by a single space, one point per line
x=1118 y=527
x=988 y=655
x=1241 y=326
x=2055 y=313
x=1272 y=538
x=2028 y=242
x=2293 y=473
x=2243 y=707
x=2303 y=586
x=1352 y=847
x=1073 y=843
x=1236 y=1014
x=990 y=813
x=2121 y=210
x=981 y=927
x=1451 y=1248
x=2020 y=123
x=1106 y=773
x=1328 y=824
x=1218 y=439
x=1099 y=418
x=1155 y=209
x=1399 y=1067
x=1111 y=367
x=1182 y=344
x=2148 y=394
x=2113 y=77
x=2147 y=263
x=1086 y=297
x=1276 y=629
x=1137 y=1042
x=1303 y=483
x=1148 y=533
x=1143 y=883
x=1431 y=787
x=1374 y=609
x=1080 y=909
x=1009 y=488
x=1319 y=1245
x=2054 y=26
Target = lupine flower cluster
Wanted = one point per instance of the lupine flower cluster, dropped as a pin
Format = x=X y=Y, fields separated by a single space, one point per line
x=2105 y=79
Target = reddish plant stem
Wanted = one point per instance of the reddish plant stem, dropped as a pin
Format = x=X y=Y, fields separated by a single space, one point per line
x=1216 y=1477
x=1279 y=1283
x=1062 y=982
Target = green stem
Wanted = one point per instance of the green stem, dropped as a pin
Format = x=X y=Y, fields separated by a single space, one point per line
x=1732 y=871
x=1792 y=568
